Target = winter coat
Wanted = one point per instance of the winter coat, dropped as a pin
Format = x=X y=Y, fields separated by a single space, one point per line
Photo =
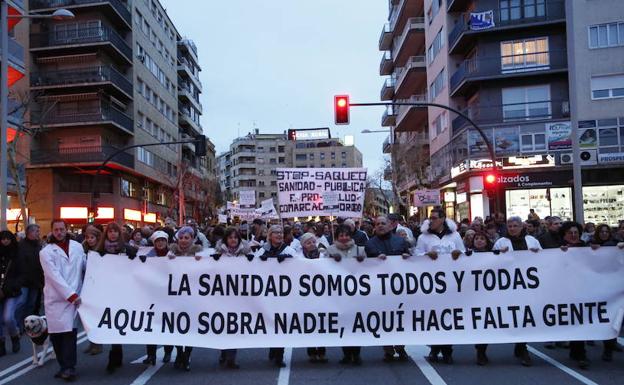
x=388 y=244
x=550 y=240
x=30 y=266
x=174 y=249
x=296 y=245
x=505 y=242
x=10 y=276
x=63 y=278
x=242 y=251
x=200 y=239
x=360 y=238
x=449 y=242
x=273 y=252
x=348 y=250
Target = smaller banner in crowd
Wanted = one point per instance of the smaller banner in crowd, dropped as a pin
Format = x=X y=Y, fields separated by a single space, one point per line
x=301 y=191
x=247 y=198
x=518 y=296
x=424 y=198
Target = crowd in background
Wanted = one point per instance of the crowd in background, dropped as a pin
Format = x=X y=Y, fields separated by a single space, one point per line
x=27 y=261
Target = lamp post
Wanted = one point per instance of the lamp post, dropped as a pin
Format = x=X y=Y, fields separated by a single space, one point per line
x=59 y=14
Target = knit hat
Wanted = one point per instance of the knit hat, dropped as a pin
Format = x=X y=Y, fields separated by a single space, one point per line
x=159 y=234
x=306 y=237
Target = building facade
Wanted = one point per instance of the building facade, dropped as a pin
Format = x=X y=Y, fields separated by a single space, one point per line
x=107 y=79
x=529 y=74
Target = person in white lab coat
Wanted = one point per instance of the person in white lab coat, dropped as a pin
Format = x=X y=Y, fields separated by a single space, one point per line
x=63 y=261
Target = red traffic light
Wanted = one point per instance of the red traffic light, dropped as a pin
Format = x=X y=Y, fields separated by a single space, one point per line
x=341 y=109
x=490 y=179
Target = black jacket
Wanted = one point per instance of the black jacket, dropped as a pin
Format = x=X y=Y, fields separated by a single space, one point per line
x=388 y=244
x=550 y=240
x=360 y=238
x=9 y=271
x=28 y=257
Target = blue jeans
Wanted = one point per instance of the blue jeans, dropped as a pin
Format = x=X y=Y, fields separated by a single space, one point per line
x=7 y=316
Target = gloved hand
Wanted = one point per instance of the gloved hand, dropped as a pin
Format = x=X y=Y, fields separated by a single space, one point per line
x=131 y=252
x=263 y=257
x=337 y=257
x=281 y=258
x=143 y=258
x=216 y=256
x=360 y=258
x=250 y=257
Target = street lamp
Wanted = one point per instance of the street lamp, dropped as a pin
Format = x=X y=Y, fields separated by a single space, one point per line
x=59 y=14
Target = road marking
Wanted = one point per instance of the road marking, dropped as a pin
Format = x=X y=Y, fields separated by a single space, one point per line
x=284 y=373
x=560 y=366
x=418 y=353
x=151 y=370
x=27 y=369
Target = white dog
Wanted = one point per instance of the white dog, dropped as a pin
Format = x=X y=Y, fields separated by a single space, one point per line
x=36 y=328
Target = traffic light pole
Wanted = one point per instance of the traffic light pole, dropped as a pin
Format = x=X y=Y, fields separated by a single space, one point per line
x=473 y=124
x=96 y=195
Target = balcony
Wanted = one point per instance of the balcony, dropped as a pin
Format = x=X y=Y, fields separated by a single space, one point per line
x=411 y=118
x=412 y=77
x=385 y=40
x=81 y=40
x=185 y=91
x=387 y=175
x=512 y=113
x=401 y=11
x=185 y=119
x=388 y=118
x=412 y=40
x=387 y=89
x=84 y=155
x=387 y=145
x=116 y=7
x=386 y=65
x=549 y=12
x=93 y=116
x=185 y=67
x=457 y=5
x=81 y=77
x=478 y=69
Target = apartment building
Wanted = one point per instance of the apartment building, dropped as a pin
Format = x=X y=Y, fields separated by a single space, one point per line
x=530 y=74
x=404 y=68
x=251 y=162
x=102 y=81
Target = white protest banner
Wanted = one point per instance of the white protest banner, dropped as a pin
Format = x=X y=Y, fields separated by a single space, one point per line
x=267 y=209
x=482 y=20
x=229 y=205
x=426 y=198
x=247 y=198
x=519 y=296
x=222 y=218
x=300 y=191
x=243 y=213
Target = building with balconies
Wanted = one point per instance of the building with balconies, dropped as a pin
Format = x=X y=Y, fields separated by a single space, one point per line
x=404 y=63
x=530 y=74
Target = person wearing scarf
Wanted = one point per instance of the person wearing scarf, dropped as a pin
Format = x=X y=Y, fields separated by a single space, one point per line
x=92 y=236
x=231 y=245
x=112 y=243
x=185 y=247
x=518 y=239
x=275 y=247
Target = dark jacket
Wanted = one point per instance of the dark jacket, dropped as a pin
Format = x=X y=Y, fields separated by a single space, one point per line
x=360 y=238
x=388 y=244
x=9 y=269
x=28 y=257
x=550 y=240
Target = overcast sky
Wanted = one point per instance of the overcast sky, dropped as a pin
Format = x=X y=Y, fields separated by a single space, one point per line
x=276 y=64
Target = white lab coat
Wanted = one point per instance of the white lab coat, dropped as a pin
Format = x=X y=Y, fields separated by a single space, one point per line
x=505 y=242
x=430 y=242
x=63 y=277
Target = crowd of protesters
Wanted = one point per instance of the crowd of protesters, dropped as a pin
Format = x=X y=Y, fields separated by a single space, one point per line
x=50 y=270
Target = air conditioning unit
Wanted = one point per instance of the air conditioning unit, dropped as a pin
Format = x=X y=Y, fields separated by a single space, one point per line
x=588 y=158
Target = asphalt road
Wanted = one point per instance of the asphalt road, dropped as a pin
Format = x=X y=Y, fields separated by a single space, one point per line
x=549 y=367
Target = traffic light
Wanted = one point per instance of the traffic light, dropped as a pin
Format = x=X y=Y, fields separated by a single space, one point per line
x=490 y=179
x=200 y=146
x=490 y=182
x=341 y=109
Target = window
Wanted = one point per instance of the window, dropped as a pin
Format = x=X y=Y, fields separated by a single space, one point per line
x=433 y=10
x=128 y=188
x=273 y=183
x=511 y=10
x=322 y=156
x=344 y=155
x=526 y=102
x=606 y=35
x=437 y=86
x=607 y=87
x=300 y=157
x=532 y=142
x=436 y=46
x=333 y=156
x=522 y=55
x=440 y=123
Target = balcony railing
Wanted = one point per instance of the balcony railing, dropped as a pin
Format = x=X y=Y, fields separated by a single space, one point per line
x=514 y=112
x=385 y=66
x=387 y=89
x=86 y=154
x=402 y=110
x=105 y=113
x=385 y=39
x=119 y=6
x=413 y=23
x=413 y=62
x=96 y=74
x=479 y=67
x=540 y=11
x=81 y=36
x=389 y=117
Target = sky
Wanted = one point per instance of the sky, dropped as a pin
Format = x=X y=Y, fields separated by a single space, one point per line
x=277 y=64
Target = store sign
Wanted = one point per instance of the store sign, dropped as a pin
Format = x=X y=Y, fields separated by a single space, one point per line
x=615 y=157
x=473 y=164
x=132 y=215
x=528 y=161
x=462 y=198
x=449 y=196
x=535 y=180
x=462 y=187
x=309 y=134
x=559 y=135
x=426 y=198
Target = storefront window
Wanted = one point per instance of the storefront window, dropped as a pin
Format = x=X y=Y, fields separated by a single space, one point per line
x=603 y=204
x=520 y=202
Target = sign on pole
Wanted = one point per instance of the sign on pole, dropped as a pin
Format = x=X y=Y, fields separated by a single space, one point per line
x=267 y=209
x=426 y=198
x=247 y=198
x=301 y=191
